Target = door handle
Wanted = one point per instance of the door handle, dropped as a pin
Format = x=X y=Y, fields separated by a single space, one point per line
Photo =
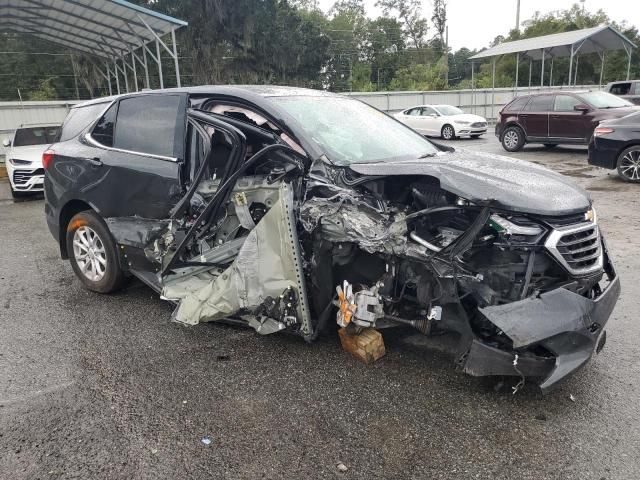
x=95 y=161
x=555 y=116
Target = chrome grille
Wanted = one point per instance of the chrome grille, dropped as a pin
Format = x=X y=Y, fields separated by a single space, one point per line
x=21 y=177
x=578 y=248
x=479 y=124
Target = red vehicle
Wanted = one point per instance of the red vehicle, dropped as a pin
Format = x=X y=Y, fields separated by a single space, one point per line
x=557 y=117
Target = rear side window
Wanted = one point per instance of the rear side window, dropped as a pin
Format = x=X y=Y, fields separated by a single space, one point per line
x=517 y=104
x=103 y=131
x=149 y=124
x=565 y=103
x=78 y=119
x=413 y=111
x=540 y=103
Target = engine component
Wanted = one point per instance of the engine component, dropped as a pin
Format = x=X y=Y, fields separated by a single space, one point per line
x=362 y=308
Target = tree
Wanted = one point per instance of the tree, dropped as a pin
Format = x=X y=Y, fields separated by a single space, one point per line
x=410 y=14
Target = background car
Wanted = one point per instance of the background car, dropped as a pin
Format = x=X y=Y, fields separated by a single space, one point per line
x=443 y=121
x=629 y=90
x=616 y=145
x=24 y=157
x=558 y=117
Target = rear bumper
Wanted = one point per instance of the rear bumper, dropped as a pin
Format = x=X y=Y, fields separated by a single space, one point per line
x=603 y=155
x=576 y=331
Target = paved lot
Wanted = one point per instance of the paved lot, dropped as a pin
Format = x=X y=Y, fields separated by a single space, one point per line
x=96 y=386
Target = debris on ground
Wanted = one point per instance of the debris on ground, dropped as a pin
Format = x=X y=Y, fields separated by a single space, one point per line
x=571 y=397
x=342 y=467
x=206 y=440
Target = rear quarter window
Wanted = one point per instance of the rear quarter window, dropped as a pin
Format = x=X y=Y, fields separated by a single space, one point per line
x=78 y=119
x=517 y=104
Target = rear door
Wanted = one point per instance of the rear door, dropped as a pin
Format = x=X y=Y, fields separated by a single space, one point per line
x=411 y=117
x=567 y=123
x=429 y=121
x=134 y=157
x=535 y=116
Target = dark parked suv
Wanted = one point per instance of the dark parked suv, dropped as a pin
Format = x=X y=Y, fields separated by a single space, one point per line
x=554 y=118
x=279 y=208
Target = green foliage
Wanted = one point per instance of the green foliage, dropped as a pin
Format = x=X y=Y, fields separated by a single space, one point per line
x=294 y=42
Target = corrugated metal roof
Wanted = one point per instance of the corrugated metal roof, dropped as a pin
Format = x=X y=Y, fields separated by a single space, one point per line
x=596 y=39
x=105 y=28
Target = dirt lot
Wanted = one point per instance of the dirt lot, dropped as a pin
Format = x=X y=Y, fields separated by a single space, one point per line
x=98 y=386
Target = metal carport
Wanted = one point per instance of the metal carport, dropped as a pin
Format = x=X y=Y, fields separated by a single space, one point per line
x=117 y=32
x=566 y=44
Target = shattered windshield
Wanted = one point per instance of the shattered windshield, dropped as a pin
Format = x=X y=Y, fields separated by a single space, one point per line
x=350 y=132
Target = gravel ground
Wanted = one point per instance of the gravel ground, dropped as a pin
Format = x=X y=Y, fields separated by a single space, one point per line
x=95 y=386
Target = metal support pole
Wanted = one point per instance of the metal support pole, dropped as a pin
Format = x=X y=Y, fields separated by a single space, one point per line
x=517 y=68
x=530 y=70
x=115 y=71
x=570 y=65
x=124 y=72
x=159 y=64
x=146 y=67
x=175 y=57
x=542 y=70
x=629 y=52
x=473 y=87
x=75 y=77
x=601 y=68
x=551 y=73
x=493 y=87
x=109 y=77
x=135 y=73
x=575 y=77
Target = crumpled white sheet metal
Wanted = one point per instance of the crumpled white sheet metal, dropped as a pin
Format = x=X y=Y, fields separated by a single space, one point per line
x=266 y=265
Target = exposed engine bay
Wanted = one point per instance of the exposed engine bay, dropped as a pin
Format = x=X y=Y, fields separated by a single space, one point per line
x=279 y=243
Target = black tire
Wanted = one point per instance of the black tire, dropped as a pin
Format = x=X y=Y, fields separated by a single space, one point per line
x=550 y=145
x=628 y=164
x=112 y=277
x=512 y=139
x=447 y=132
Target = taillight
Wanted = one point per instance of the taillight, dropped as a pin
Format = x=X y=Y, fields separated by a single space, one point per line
x=599 y=131
x=47 y=158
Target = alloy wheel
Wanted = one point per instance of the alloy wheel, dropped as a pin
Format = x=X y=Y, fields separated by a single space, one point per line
x=511 y=139
x=447 y=133
x=89 y=253
x=630 y=165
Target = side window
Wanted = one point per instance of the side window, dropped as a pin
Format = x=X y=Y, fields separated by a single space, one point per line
x=78 y=119
x=413 y=112
x=517 y=104
x=565 y=103
x=103 y=131
x=426 y=111
x=621 y=88
x=540 y=103
x=636 y=88
x=149 y=124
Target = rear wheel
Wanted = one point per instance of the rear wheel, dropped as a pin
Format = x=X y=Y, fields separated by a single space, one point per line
x=512 y=139
x=93 y=253
x=447 y=132
x=629 y=164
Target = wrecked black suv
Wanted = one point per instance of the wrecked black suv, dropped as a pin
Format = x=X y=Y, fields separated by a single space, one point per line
x=282 y=208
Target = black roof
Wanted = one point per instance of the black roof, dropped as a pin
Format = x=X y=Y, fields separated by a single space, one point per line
x=233 y=90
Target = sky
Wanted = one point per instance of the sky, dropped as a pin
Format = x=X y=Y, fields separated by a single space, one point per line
x=475 y=23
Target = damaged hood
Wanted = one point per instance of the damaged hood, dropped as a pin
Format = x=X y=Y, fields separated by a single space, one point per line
x=513 y=184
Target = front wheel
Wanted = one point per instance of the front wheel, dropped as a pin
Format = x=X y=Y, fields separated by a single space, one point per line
x=629 y=164
x=93 y=253
x=512 y=139
x=447 y=132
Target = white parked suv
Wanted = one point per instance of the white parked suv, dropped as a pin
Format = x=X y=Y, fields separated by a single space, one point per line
x=24 y=157
x=443 y=121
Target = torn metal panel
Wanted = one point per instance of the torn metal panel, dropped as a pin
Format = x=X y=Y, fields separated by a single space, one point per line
x=149 y=235
x=344 y=219
x=266 y=265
